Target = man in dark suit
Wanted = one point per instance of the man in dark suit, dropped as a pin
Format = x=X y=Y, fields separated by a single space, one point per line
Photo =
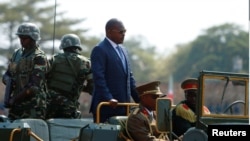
x=112 y=75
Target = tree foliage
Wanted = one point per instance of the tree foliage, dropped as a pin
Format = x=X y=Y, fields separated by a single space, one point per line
x=219 y=48
x=142 y=59
x=215 y=50
x=53 y=25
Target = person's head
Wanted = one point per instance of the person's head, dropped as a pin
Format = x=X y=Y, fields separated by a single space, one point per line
x=28 y=33
x=148 y=93
x=115 y=30
x=190 y=87
x=70 y=42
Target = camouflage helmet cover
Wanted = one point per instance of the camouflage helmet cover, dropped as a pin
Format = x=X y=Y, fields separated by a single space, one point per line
x=70 y=40
x=30 y=30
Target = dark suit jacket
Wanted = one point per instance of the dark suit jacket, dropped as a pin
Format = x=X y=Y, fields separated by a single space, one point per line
x=110 y=79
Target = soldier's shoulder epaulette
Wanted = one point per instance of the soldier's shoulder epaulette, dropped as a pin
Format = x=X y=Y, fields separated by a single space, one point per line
x=185 y=106
x=185 y=112
x=182 y=106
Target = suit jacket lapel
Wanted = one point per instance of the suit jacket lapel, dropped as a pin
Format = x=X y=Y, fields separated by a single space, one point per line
x=113 y=53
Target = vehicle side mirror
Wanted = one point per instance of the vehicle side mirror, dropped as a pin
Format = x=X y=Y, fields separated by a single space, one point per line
x=164 y=115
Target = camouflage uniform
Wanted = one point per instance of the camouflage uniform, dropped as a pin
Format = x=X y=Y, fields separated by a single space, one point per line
x=27 y=70
x=69 y=75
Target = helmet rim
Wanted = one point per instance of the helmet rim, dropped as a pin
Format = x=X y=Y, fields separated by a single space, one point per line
x=70 y=40
x=29 y=29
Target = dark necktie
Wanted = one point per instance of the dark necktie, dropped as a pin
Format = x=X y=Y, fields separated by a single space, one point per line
x=121 y=56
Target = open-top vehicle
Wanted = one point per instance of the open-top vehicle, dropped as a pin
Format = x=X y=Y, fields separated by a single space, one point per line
x=225 y=94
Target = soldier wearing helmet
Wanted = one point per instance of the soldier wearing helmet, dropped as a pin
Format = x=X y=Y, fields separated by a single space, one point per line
x=27 y=69
x=69 y=75
x=184 y=114
x=29 y=29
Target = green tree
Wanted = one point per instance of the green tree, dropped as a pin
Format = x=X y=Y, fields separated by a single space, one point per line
x=43 y=14
x=142 y=59
x=215 y=50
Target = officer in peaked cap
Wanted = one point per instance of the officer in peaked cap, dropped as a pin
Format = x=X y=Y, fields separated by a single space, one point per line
x=189 y=84
x=152 y=88
x=141 y=122
x=190 y=87
x=148 y=93
x=184 y=114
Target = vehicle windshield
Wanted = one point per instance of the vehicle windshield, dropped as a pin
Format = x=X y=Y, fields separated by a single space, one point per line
x=226 y=95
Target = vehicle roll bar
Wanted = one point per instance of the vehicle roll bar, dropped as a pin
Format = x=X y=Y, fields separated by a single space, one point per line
x=30 y=133
x=128 y=105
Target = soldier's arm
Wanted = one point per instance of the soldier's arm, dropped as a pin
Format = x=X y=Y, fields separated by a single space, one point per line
x=37 y=77
x=88 y=86
x=22 y=95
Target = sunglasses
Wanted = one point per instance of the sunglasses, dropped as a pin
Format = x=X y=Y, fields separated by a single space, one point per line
x=154 y=96
x=119 y=31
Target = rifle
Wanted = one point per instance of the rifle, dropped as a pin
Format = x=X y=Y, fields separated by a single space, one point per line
x=8 y=90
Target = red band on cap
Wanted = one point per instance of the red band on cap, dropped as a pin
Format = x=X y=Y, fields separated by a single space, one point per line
x=190 y=86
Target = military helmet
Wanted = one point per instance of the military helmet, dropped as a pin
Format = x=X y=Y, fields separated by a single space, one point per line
x=30 y=30
x=70 y=40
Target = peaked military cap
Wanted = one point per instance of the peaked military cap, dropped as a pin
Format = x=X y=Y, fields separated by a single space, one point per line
x=190 y=84
x=149 y=88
